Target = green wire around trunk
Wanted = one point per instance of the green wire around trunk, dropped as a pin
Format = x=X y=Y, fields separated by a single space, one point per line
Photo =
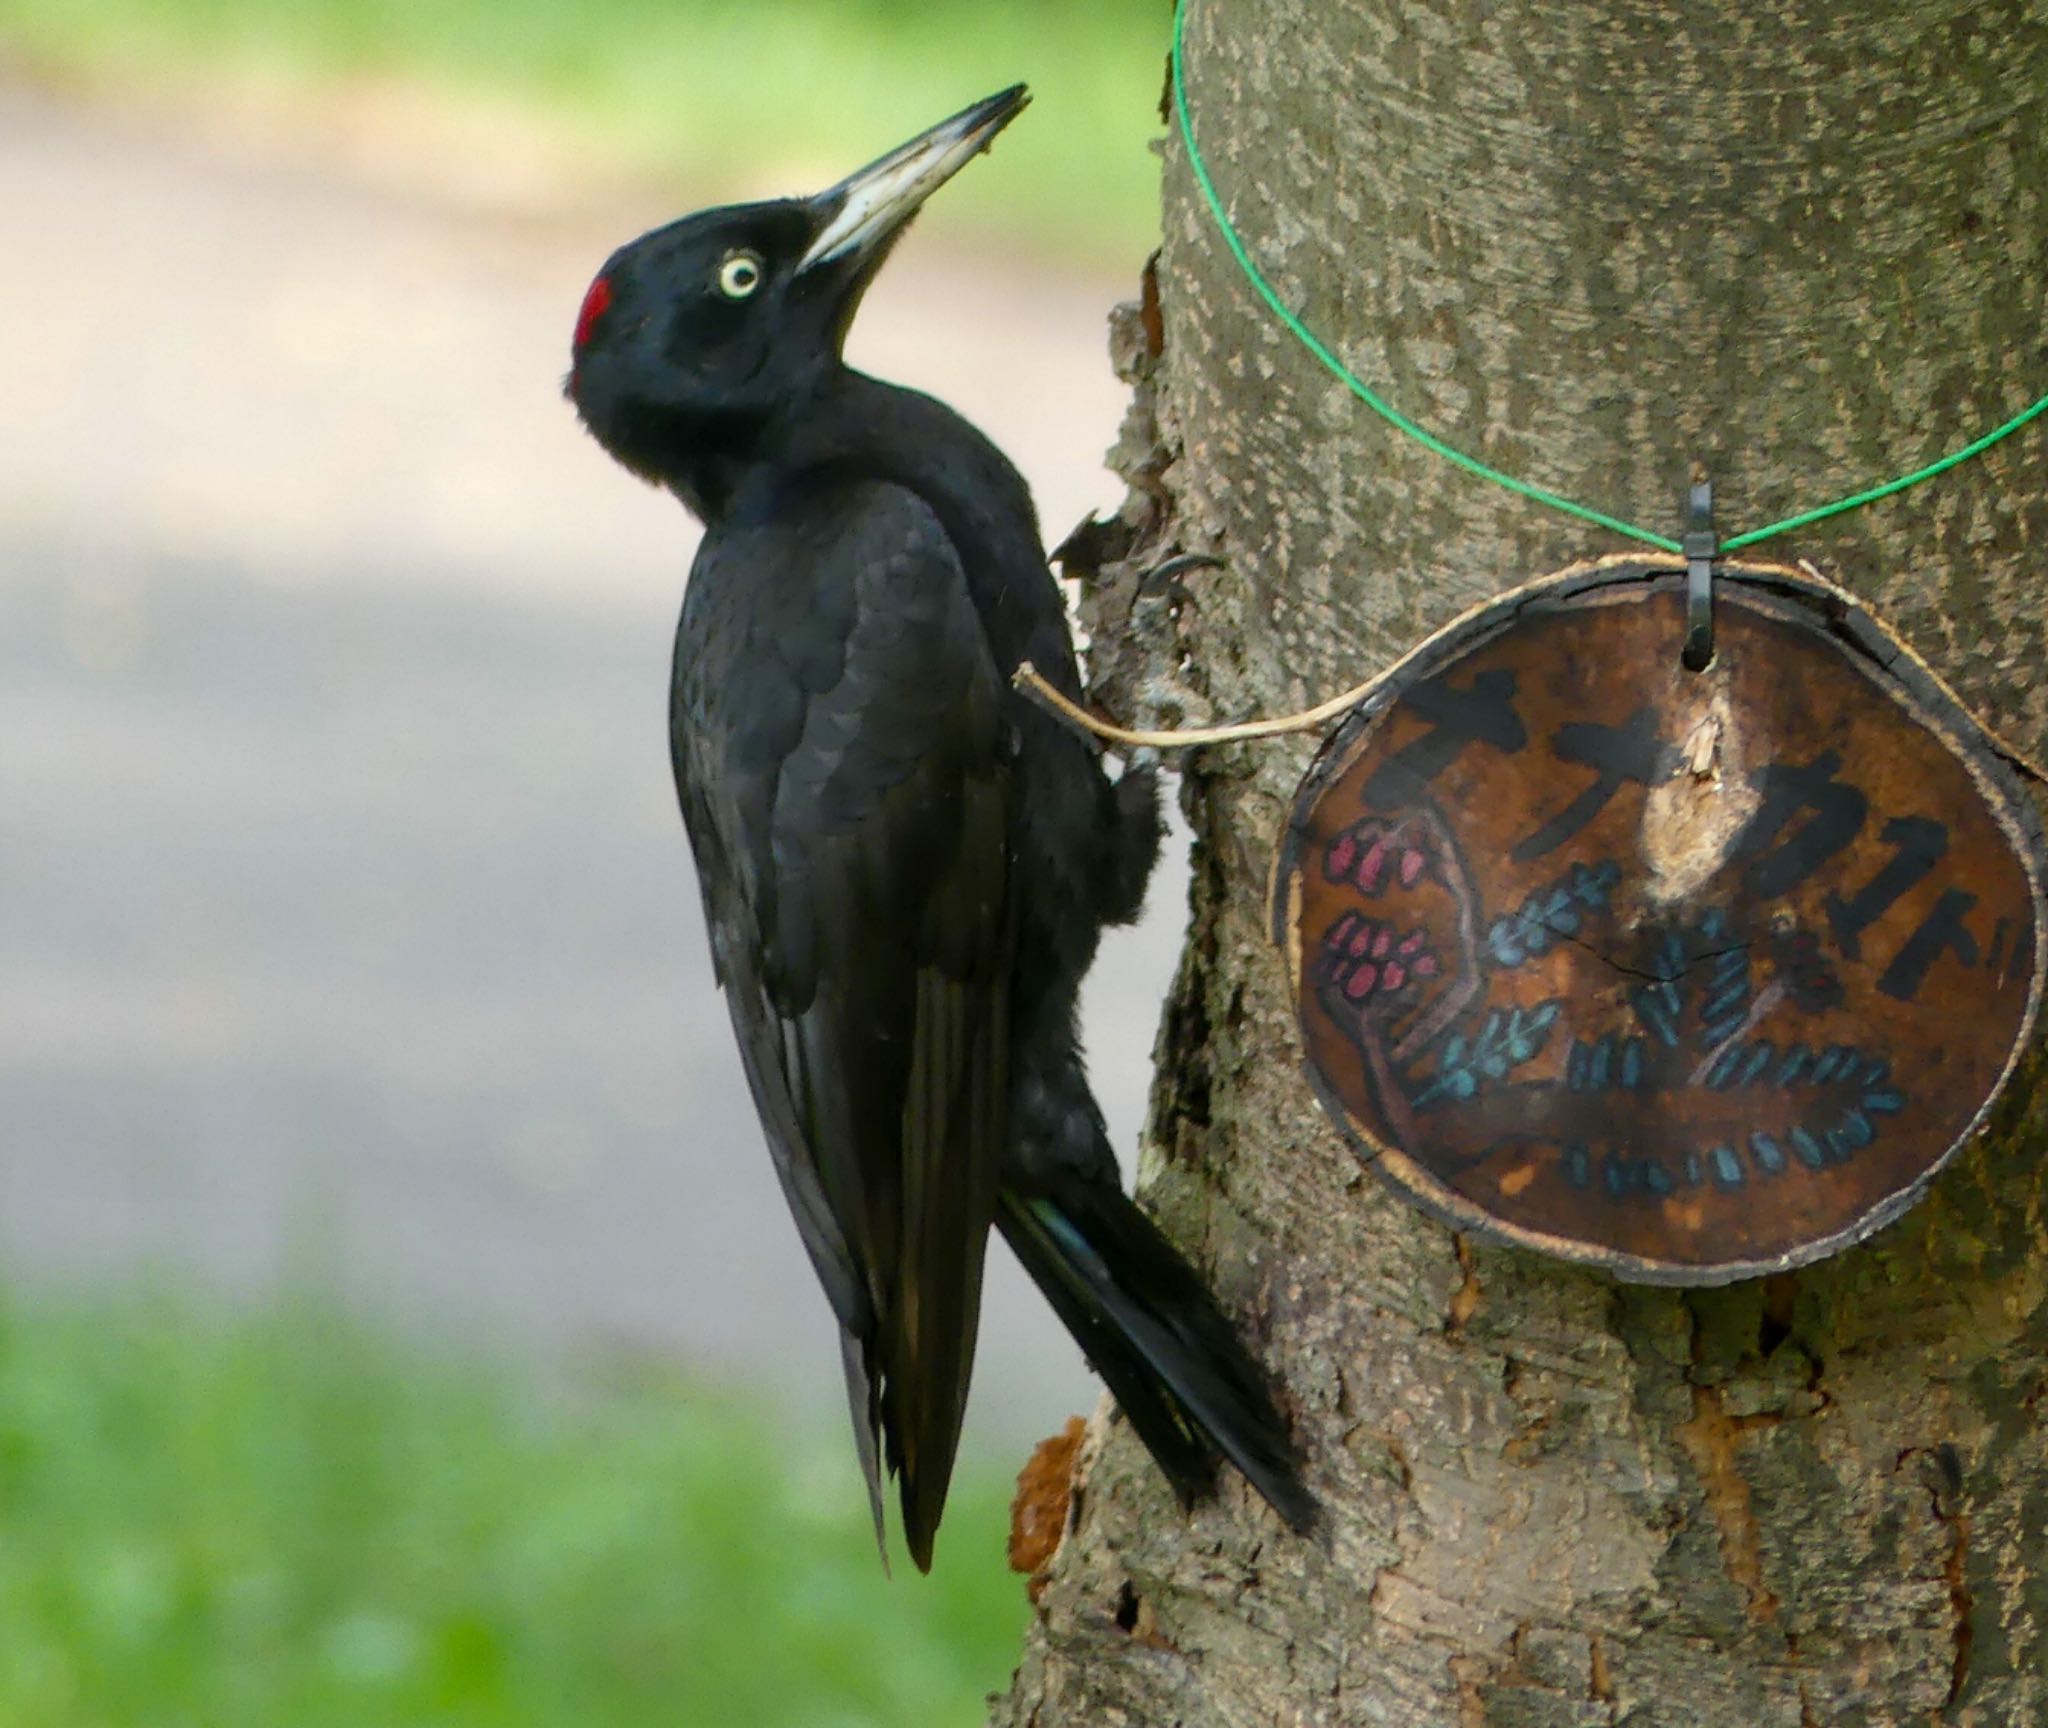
x=1471 y=464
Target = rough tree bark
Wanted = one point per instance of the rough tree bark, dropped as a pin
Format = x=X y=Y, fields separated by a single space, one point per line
x=1809 y=246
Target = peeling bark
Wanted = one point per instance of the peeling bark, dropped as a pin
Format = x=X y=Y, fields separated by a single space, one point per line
x=1809 y=247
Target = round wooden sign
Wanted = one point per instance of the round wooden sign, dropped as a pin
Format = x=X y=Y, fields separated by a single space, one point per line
x=1691 y=975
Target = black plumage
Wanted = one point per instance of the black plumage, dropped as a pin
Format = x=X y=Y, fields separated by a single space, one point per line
x=905 y=866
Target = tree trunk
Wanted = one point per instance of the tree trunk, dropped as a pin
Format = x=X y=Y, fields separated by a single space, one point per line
x=1592 y=243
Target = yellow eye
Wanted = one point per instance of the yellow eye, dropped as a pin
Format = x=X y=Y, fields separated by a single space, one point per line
x=739 y=275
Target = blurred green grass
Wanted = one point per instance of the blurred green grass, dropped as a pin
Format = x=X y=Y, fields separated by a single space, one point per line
x=285 y=1519
x=722 y=97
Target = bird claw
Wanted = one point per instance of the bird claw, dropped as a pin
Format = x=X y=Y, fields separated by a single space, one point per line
x=1162 y=581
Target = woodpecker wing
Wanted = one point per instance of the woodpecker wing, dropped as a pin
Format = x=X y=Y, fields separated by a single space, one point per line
x=844 y=766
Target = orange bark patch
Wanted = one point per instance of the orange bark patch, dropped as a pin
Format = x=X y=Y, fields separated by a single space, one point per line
x=1038 y=1515
x=1711 y=1438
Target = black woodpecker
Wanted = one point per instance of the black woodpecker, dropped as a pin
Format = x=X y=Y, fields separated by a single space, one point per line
x=905 y=865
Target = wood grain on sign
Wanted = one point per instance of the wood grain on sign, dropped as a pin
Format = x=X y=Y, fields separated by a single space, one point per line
x=1691 y=975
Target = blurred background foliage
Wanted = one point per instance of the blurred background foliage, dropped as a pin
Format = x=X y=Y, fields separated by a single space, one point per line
x=283 y=1519
x=743 y=98
x=216 y=1513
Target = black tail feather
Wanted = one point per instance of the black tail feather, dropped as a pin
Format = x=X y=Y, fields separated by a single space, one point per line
x=867 y=1423
x=1180 y=1449
x=1157 y=1338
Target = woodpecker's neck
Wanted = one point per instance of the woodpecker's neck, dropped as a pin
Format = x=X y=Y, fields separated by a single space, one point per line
x=712 y=458
x=856 y=427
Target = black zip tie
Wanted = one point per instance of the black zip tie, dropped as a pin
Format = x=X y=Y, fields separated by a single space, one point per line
x=1701 y=549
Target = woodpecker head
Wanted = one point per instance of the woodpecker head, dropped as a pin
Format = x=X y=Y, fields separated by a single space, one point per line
x=695 y=338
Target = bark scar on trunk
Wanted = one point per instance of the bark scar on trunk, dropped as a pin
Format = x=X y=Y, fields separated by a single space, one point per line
x=1464 y=1299
x=1711 y=1439
x=1942 y=1468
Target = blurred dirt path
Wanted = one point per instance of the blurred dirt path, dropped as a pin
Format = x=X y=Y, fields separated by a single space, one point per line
x=346 y=927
